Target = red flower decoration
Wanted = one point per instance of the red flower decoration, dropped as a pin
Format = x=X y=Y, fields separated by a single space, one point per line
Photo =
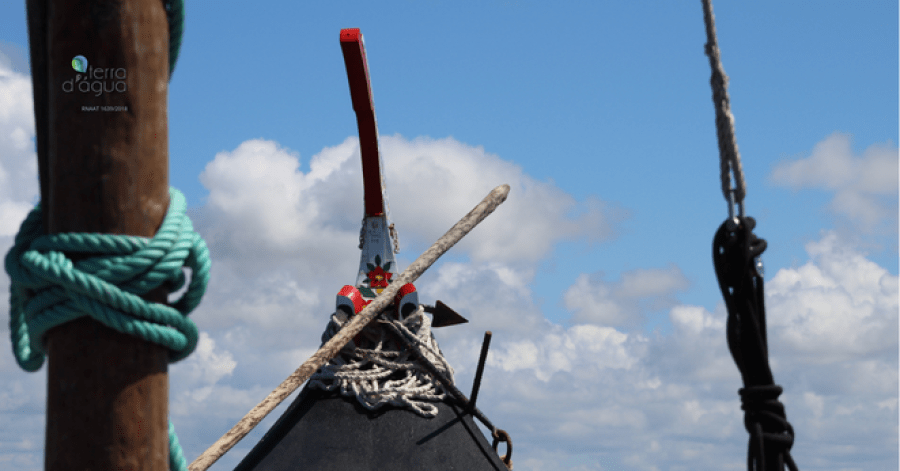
x=378 y=278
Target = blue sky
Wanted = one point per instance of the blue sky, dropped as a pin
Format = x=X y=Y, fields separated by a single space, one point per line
x=599 y=114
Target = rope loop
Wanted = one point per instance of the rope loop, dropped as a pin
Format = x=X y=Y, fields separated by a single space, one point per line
x=48 y=289
x=770 y=432
x=500 y=435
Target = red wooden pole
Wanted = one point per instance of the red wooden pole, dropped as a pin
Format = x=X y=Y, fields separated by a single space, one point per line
x=104 y=168
x=361 y=96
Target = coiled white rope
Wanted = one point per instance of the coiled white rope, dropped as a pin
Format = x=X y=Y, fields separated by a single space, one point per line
x=383 y=373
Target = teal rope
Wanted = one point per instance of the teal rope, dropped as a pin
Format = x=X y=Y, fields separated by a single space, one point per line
x=176 y=455
x=175 y=16
x=48 y=289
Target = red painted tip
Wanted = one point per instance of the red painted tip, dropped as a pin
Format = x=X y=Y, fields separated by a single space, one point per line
x=351 y=294
x=350 y=35
x=404 y=290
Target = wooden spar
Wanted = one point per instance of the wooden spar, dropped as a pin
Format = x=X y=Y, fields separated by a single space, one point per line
x=358 y=322
x=103 y=170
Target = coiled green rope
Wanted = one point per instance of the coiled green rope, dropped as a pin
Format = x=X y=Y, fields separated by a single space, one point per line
x=48 y=289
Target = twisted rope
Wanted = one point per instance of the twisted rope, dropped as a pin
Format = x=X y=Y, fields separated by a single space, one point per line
x=48 y=289
x=384 y=374
x=176 y=454
x=729 y=156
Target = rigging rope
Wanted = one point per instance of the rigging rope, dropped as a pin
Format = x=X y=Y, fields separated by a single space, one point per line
x=383 y=373
x=736 y=257
x=735 y=249
x=48 y=289
x=729 y=156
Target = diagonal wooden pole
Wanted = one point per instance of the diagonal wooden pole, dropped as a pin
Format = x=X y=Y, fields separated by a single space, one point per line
x=103 y=159
x=359 y=322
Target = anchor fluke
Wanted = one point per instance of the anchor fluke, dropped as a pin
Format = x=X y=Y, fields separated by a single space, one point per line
x=444 y=316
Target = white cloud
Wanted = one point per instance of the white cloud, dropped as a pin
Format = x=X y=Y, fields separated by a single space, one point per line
x=434 y=182
x=621 y=303
x=260 y=203
x=207 y=365
x=865 y=186
x=587 y=348
x=596 y=396
x=492 y=296
x=431 y=183
x=22 y=395
x=18 y=162
x=695 y=319
x=838 y=306
x=284 y=240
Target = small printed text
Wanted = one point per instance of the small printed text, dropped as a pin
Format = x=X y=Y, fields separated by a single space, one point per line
x=104 y=108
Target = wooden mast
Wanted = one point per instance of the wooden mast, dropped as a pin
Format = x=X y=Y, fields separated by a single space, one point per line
x=103 y=156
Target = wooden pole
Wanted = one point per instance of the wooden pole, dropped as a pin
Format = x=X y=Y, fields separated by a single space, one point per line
x=357 y=323
x=104 y=168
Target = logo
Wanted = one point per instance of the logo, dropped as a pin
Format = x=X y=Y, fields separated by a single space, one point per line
x=96 y=80
x=79 y=63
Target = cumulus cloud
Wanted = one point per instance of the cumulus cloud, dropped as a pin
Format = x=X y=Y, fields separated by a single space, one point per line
x=587 y=348
x=432 y=183
x=492 y=296
x=260 y=203
x=22 y=395
x=18 y=162
x=623 y=302
x=836 y=307
x=596 y=397
x=865 y=185
x=208 y=364
x=284 y=237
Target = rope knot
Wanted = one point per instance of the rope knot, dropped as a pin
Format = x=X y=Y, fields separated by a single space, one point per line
x=765 y=420
x=49 y=289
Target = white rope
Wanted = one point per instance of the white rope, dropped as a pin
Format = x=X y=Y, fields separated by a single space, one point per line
x=384 y=374
x=729 y=156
